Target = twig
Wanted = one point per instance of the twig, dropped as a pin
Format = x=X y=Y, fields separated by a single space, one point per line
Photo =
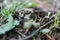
x=20 y=33
x=49 y=37
x=42 y=20
x=52 y=16
x=1 y=18
x=26 y=31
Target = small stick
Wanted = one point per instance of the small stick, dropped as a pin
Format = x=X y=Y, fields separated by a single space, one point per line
x=49 y=37
x=20 y=33
x=1 y=18
x=26 y=31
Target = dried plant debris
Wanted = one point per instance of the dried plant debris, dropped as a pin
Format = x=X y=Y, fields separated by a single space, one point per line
x=29 y=22
x=32 y=23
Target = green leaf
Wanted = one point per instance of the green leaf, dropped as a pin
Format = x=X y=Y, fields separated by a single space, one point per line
x=27 y=25
x=13 y=8
x=16 y=22
x=2 y=31
x=44 y=31
x=6 y=12
x=34 y=4
x=0 y=14
x=8 y=26
x=27 y=17
x=36 y=25
x=31 y=4
x=56 y=20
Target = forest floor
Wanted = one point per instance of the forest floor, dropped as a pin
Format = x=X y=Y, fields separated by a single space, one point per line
x=39 y=23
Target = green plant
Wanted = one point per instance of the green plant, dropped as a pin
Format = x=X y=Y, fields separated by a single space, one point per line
x=56 y=20
x=7 y=13
x=8 y=26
